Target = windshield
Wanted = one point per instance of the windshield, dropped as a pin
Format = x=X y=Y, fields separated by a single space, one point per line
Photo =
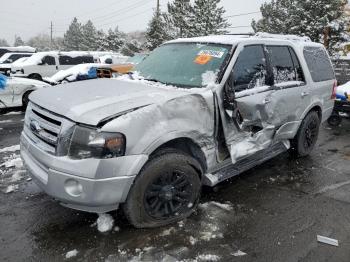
x=4 y=58
x=136 y=59
x=185 y=64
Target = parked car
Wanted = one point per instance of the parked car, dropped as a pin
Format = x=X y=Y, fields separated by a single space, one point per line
x=7 y=59
x=14 y=92
x=75 y=73
x=46 y=64
x=16 y=49
x=197 y=112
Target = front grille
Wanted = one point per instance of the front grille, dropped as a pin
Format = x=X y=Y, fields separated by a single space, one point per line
x=43 y=127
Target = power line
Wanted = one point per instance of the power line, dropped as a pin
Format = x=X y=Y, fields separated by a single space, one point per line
x=243 y=14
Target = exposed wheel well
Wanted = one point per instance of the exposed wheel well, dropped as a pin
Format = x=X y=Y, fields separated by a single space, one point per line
x=317 y=109
x=187 y=146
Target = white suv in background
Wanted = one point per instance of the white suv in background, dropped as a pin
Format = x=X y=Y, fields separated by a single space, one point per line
x=46 y=64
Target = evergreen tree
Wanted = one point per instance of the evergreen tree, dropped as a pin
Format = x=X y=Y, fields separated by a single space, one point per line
x=208 y=18
x=18 y=41
x=89 y=41
x=3 y=42
x=73 y=38
x=157 y=31
x=130 y=48
x=101 y=42
x=180 y=13
x=114 y=40
x=322 y=20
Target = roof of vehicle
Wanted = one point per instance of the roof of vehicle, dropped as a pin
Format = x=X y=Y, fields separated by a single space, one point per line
x=19 y=48
x=235 y=39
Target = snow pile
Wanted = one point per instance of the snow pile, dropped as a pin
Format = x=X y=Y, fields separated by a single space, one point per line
x=13 y=162
x=10 y=149
x=239 y=253
x=104 y=222
x=72 y=253
x=11 y=188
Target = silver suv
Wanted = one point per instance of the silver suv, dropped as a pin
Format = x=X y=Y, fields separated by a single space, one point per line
x=195 y=112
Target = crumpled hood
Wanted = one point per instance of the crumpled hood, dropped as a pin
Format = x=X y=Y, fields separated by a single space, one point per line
x=90 y=102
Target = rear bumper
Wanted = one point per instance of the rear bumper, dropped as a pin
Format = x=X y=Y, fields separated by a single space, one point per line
x=77 y=192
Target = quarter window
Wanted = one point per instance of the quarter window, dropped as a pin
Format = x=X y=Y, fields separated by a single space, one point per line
x=250 y=69
x=284 y=67
x=319 y=64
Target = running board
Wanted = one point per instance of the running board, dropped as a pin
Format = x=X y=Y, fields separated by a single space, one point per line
x=243 y=165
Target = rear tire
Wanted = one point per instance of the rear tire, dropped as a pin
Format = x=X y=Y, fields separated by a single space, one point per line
x=167 y=190
x=306 y=138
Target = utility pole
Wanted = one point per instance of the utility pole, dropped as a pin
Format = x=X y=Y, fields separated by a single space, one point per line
x=158 y=7
x=51 y=34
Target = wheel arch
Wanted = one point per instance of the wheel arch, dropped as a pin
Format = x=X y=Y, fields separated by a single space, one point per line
x=187 y=146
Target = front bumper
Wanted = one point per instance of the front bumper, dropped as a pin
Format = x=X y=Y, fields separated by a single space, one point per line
x=60 y=178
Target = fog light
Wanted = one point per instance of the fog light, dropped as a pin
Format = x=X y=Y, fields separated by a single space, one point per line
x=73 y=187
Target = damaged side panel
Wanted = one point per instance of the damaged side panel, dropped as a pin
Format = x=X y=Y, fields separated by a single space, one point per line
x=189 y=116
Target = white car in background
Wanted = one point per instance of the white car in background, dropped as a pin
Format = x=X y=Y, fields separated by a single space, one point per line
x=7 y=59
x=46 y=64
x=14 y=91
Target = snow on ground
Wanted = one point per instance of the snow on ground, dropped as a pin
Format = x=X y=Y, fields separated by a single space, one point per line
x=104 y=223
x=14 y=161
x=11 y=188
x=72 y=253
x=239 y=253
x=5 y=121
x=207 y=257
x=14 y=113
x=10 y=149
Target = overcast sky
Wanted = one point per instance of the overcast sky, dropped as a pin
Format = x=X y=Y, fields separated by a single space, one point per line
x=27 y=18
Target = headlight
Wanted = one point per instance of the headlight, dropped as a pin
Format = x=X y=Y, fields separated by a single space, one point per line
x=90 y=143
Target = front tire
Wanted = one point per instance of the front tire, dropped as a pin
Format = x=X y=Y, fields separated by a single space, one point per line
x=167 y=190
x=307 y=136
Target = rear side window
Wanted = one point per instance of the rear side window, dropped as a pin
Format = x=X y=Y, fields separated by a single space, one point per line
x=65 y=60
x=250 y=68
x=83 y=60
x=319 y=64
x=284 y=67
x=49 y=60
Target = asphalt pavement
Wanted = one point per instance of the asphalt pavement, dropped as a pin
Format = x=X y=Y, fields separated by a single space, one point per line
x=273 y=212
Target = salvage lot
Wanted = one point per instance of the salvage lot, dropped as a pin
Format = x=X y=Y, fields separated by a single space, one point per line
x=272 y=213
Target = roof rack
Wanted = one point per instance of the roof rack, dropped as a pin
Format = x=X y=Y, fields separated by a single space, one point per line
x=283 y=37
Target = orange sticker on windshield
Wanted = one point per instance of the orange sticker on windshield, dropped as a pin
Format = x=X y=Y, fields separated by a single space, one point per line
x=203 y=59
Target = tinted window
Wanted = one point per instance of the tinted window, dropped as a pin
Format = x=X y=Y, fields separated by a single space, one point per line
x=65 y=60
x=49 y=60
x=250 y=68
x=297 y=67
x=282 y=64
x=83 y=60
x=319 y=64
x=15 y=57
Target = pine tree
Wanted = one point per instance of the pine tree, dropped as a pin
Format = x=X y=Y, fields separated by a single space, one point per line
x=18 y=41
x=73 y=38
x=180 y=13
x=130 y=48
x=323 y=21
x=89 y=33
x=114 y=40
x=3 y=42
x=157 y=31
x=101 y=42
x=208 y=18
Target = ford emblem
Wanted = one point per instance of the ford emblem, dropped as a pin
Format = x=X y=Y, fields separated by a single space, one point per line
x=35 y=127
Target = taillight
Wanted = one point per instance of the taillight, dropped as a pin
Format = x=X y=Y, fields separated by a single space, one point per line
x=334 y=92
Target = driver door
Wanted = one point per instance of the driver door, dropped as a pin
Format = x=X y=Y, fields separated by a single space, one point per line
x=248 y=111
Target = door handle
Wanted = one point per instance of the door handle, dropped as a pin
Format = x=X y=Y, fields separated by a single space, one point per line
x=304 y=94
